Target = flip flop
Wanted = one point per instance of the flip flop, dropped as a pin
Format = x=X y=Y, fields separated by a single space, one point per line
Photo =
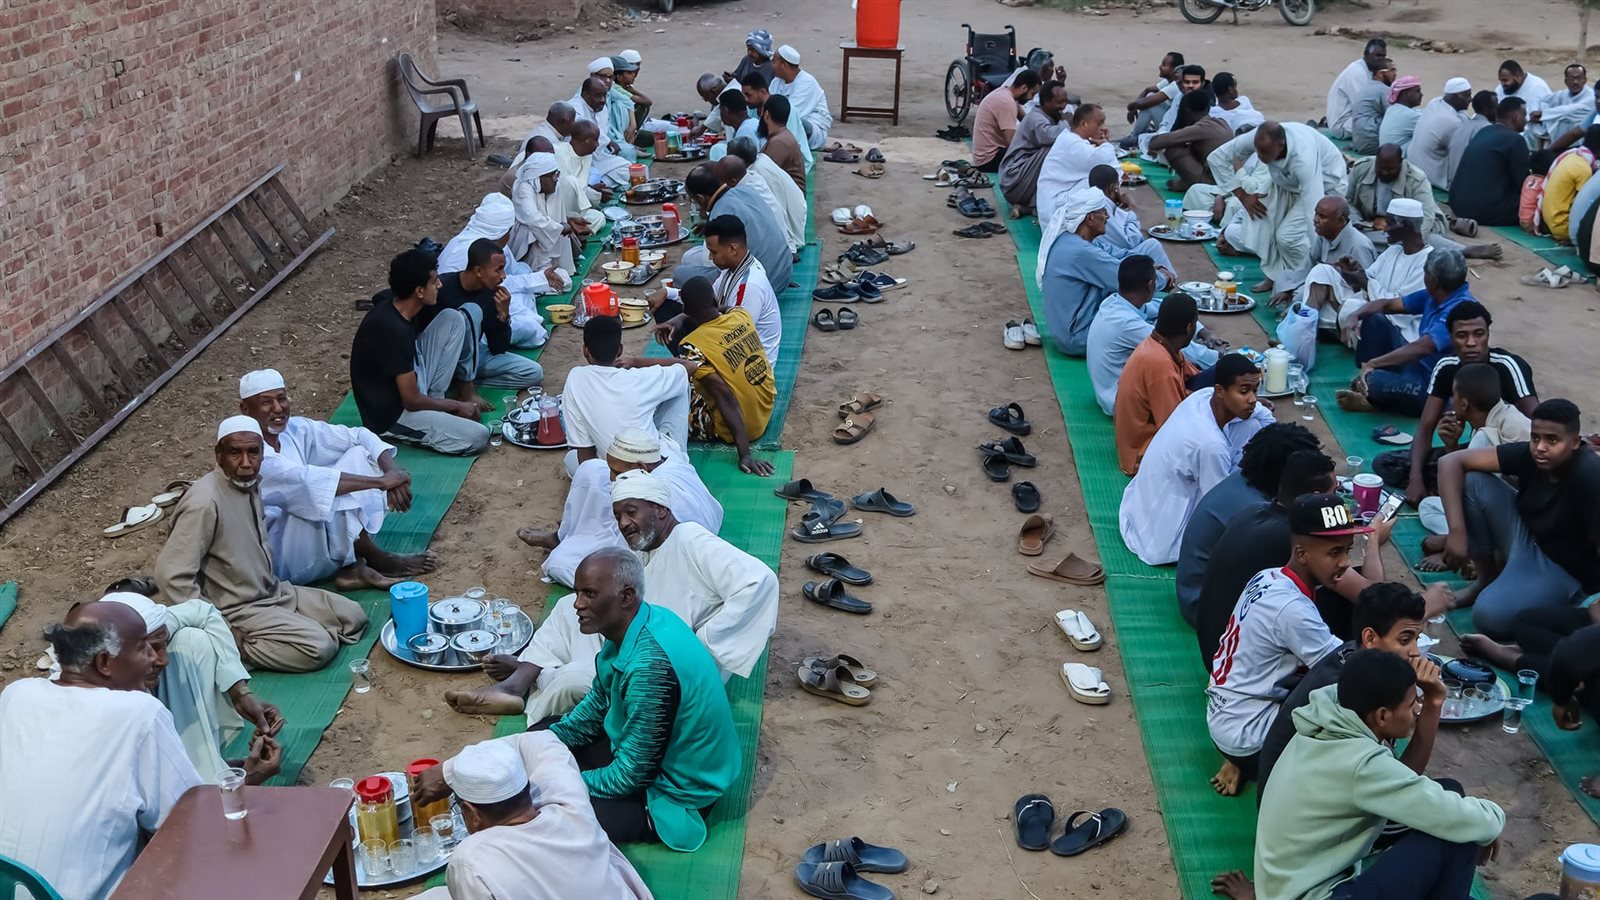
x=1032 y=817
x=893 y=248
x=882 y=501
x=824 y=320
x=860 y=403
x=858 y=670
x=862 y=856
x=874 y=155
x=842 y=155
x=1011 y=418
x=835 y=566
x=838 y=881
x=855 y=427
x=1012 y=450
x=1072 y=569
x=815 y=528
x=1394 y=437
x=847 y=319
x=174 y=492
x=835 y=685
x=1026 y=496
x=1037 y=530
x=134 y=518
x=832 y=593
x=996 y=467
x=801 y=489
x=1078 y=629
x=1086 y=834
x=830 y=509
x=992 y=227
x=1030 y=333
x=972 y=231
x=1086 y=685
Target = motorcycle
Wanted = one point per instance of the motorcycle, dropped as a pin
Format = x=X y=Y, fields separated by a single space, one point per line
x=1204 y=12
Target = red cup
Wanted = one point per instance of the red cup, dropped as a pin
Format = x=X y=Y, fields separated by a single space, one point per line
x=1368 y=489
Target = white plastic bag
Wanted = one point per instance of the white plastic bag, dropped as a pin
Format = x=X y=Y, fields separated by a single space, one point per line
x=1298 y=335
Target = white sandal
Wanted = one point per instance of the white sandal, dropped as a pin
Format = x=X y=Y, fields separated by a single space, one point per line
x=842 y=216
x=1078 y=629
x=134 y=518
x=1085 y=684
x=1011 y=335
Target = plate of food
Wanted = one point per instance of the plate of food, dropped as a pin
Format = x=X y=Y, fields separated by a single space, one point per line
x=1239 y=303
x=1194 y=234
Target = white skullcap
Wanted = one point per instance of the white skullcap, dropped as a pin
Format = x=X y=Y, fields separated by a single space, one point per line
x=538 y=165
x=494 y=216
x=635 y=445
x=631 y=56
x=153 y=613
x=1457 y=86
x=238 y=425
x=599 y=65
x=790 y=55
x=641 y=485
x=1405 y=208
x=486 y=772
x=260 y=381
x=1079 y=204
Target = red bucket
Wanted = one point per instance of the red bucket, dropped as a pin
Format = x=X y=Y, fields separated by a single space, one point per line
x=878 y=24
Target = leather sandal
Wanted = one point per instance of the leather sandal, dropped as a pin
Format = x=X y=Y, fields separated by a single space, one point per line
x=855 y=427
x=860 y=403
x=832 y=685
x=858 y=670
x=1072 y=569
x=1037 y=530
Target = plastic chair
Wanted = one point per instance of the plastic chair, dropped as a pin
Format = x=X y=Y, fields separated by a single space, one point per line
x=459 y=104
x=15 y=875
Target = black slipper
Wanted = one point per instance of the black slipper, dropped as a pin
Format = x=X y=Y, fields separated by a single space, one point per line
x=996 y=467
x=874 y=155
x=815 y=528
x=801 y=489
x=882 y=501
x=835 y=566
x=829 y=508
x=1011 y=418
x=847 y=319
x=973 y=208
x=1087 y=830
x=838 y=881
x=832 y=593
x=862 y=856
x=1032 y=817
x=1026 y=496
x=824 y=320
x=992 y=227
x=1012 y=450
x=972 y=231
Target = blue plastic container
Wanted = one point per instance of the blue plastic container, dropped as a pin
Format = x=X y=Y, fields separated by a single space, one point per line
x=408 y=606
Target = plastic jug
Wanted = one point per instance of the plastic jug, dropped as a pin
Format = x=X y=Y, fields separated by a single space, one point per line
x=1174 y=211
x=878 y=23
x=1276 y=380
x=661 y=144
x=1580 y=872
x=550 y=431
x=669 y=218
x=408 y=606
x=637 y=174
x=599 y=300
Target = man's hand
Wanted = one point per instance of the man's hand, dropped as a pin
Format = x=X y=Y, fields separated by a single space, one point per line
x=266 y=757
x=1215 y=343
x=606 y=192
x=1428 y=679
x=1120 y=198
x=502 y=303
x=1489 y=853
x=1568 y=715
x=1437 y=599
x=1168 y=274
x=1455 y=549
x=579 y=225
x=1254 y=206
x=431 y=786
x=1536 y=115
x=752 y=466
x=1449 y=430
x=1382 y=529
x=1416 y=490
x=397 y=485
x=264 y=716
x=463 y=408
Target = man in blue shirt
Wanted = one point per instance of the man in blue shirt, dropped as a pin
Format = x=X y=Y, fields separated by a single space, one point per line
x=1075 y=274
x=1122 y=323
x=1396 y=357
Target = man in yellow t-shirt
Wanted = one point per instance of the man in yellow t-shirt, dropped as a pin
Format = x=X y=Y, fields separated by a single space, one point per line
x=733 y=386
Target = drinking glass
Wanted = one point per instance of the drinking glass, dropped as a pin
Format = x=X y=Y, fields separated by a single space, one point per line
x=1297 y=378
x=403 y=856
x=1310 y=404
x=427 y=846
x=1527 y=680
x=444 y=829
x=1475 y=701
x=1452 y=699
x=1353 y=463
x=361 y=673
x=497 y=435
x=231 y=781
x=1512 y=721
x=508 y=403
x=375 y=858
x=476 y=593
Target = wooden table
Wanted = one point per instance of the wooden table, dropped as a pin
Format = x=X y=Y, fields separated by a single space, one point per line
x=281 y=849
x=855 y=51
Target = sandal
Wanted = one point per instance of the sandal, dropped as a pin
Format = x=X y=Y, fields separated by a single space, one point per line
x=862 y=675
x=1086 y=685
x=838 y=881
x=835 y=566
x=842 y=155
x=847 y=319
x=1012 y=450
x=1078 y=629
x=1037 y=531
x=1072 y=569
x=1011 y=418
x=859 y=226
x=801 y=489
x=874 y=155
x=832 y=593
x=174 y=492
x=815 y=528
x=1394 y=437
x=824 y=320
x=1032 y=817
x=893 y=248
x=855 y=428
x=871 y=170
x=835 y=686
x=861 y=856
x=882 y=501
x=972 y=231
x=860 y=403
x=972 y=208
x=1026 y=496
x=134 y=518
x=993 y=227
x=996 y=467
x=1086 y=834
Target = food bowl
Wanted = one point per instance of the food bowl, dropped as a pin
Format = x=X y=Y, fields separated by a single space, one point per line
x=560 y=313
x=428 y=648
x=632 y=311
x=652 y=257
x=616 y=213
x=617 y=272
x=631 y=229
x=1195 y=221
x=474 y=646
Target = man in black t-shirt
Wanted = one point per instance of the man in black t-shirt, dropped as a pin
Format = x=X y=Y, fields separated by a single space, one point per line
x=478 y=292
x=1488 y=182
x=1535 y=545
x=400 y=374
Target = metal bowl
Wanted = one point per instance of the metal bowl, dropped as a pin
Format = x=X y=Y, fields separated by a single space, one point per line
x=428 y=648
x=474 y=646
x=456 y=615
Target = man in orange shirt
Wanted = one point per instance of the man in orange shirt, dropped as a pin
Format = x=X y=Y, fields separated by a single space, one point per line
x=1154 y=381
x=997 y=120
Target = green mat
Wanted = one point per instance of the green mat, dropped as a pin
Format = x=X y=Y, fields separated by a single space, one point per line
x=8 y=601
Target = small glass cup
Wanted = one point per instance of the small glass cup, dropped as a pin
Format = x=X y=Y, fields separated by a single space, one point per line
x=497 y=434
x=361 y=674
x=427 y=846
x=1353 y=464
x=375 y=858
x=231 y=782
x=1309 y=403
x=403 y=856
x=1511 y=723
x=508 y=402
x=1475 y=701
x=1297 y=378
x=1452 y=699
x=1527 y=681
x=444 y=830
x=476 y=593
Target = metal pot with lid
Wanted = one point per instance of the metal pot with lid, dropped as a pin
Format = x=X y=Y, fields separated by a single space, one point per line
x=455 y=615
x=473 y=646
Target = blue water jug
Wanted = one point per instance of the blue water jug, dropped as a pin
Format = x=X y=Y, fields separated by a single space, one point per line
x=408 y=606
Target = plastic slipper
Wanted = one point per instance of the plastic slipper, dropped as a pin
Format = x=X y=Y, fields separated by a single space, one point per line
x=857 y=669
x=972 y=231
x=971 y=207
x=174 y=492
x=1032 y=817
x=871 y=170
x=860 y=403
x=883 y=281
x=859 y=226
x=893 y=248
x=1012 y=450
x=1072 y=569
x=862 y=255
x=832 y=593
x=845 y=292
x=855 y=427
x=1087 y=833
x=1394 y=437
x=134 y=518
x=1011 y=336
x=847 y=319
x=838 y=881
x=882 y=501
x=801 y=489
x=874 y=155
x=862 y=856
x=835 y=685
x=824 y=320
x=1030 y=332
x=1011 y=418
x=957 y=164
x=996 y=467
x=829 y=509
x=816 y=528
x=835 y=566
x=842 y=155
x=1026 y=496
x=1086 y=685
x=842 y=216
x=1078 y=629
x=1036 y=532
x=992 y=227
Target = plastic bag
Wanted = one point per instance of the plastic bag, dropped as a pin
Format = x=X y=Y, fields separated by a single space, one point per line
x=1298 y=335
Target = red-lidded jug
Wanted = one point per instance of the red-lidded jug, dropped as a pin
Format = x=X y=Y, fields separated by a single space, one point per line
x=637 y=174
x=669 y=218
x=599 y=300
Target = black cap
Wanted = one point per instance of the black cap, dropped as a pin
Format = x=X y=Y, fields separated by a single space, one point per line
x=1323 y=515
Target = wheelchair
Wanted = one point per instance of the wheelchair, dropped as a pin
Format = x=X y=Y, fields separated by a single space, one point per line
x=990 y=60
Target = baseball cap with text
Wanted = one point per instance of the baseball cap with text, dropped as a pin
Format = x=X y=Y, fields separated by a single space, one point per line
x=1323 y=515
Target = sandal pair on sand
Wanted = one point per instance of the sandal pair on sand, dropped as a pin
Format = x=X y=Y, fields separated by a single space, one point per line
x=840 y=677
x=1033 y=817
x=831 y=870
x=858 y=420
x=138 y=518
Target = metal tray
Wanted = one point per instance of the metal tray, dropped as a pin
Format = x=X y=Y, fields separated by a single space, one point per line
x=1496 y=707
x=1168 y=233
x=520 y=636
x=509 y=432
x=364 y=881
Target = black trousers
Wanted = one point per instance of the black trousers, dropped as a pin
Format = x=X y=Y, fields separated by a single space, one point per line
x=1563 y=646
x=993 y=165
x=625 y=819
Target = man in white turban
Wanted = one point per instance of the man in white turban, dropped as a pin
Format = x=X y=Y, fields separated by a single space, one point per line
x=1075 y=272
x=806 y=98
x=531 y=826
x=587 y=523
x=324 y=492
x=542 y=234
x=727 y=596
x=217 y=551
x=493 y=220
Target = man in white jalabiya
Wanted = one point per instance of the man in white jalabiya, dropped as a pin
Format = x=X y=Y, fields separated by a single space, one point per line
x=589 y=105
x=493 y=220
x=324 y=492
x=776 y=187
x=542 y=235
x=1350 y=83
x=1072 y=157
x=576 y=159
x=1336 y=291
x=531 y=829
x=1303 y=167
x=556 y=128
x=587 y=522
x=806 y=98
x=727 y=596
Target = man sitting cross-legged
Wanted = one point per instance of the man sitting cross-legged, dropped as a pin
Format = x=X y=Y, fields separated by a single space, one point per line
x=324 y=491
x=480 y=294
x=787 y=199
x=217 y=551
x=1124 y=232
x=1076 y=272
x=1335 y=237
x=1123 y=322
x=1035 y=135
x=1397 y=352
x=548 y=227
x=493 y=220
x=587 y=522
x=1196 y=134
x=1377 y=181
x=1338 y=290
x=601 y=399
x=782 y=131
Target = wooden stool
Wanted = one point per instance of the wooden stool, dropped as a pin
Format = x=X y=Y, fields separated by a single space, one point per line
x=852 y=51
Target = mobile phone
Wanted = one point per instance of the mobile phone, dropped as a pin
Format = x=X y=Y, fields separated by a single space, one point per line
x=1391 y=505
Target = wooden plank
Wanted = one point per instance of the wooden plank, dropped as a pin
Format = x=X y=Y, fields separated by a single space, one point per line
x=156 y=356
x=130 y=382
x=192 y=289
x=283 y=194
x=239 y=257
x=20 y=450
x=47 y=406
x=268 y=257
x=90 y=392
x=180 y=328
x=291 y=241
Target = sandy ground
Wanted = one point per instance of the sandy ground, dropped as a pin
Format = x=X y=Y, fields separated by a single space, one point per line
x=970 y=713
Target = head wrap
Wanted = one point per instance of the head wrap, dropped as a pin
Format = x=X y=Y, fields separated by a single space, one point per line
x=790 y=55
x=238 y=425
x=538 y=165
x=635 y=445
x=486 y=772
x=493 y=218
x=632 y=56
x=641 y=485
x=153 y=613
x=600 y=65
x=760 y=41
x=1068 y=216
x=1401 y=84
x=1457 y=86
x=1405 y=208
x=262 y=380
x=620 y=64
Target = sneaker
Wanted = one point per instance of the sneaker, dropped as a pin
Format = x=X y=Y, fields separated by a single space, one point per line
x=867 y=292
x=1013 y=336
x=1030 y=332
x=883 y=281
x=848 y=292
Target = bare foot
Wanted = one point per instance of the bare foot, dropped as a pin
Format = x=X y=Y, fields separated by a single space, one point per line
x=1353 y=401
x=1482 y=251
x=538 y=537
x=499 y=666
x=1234 y=886
x=491 y=700
x=1226 y=781
x=1433 y=562
x=1262 y=286
x=1502 y=655
x=359 y=575
x=1433 y=543
x=467 y=392
x=1590 y=785
x=397 y=565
